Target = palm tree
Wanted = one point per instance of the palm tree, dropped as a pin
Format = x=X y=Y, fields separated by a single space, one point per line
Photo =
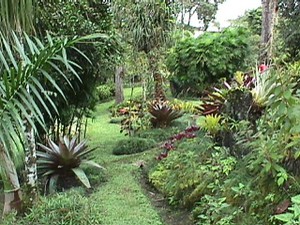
x=17 y=16
x=151 y=23
x=22 y=95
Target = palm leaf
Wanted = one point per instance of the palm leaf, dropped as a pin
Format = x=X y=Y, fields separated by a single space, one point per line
x=22 y=95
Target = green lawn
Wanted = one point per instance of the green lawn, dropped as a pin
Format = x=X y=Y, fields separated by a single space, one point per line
x=121 y=199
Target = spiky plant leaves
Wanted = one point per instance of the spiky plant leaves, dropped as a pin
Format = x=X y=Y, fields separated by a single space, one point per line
x=82 y=176
x=163 y=113
x=25 y=65
x=92 y=163
x=52 y=183
x=210 y=123
x=67 y=156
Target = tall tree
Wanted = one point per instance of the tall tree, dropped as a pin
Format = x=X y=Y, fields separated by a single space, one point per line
x=204 y=10
x=289 y=29
x=151 y=23
x=269 y=15
x=119 y=93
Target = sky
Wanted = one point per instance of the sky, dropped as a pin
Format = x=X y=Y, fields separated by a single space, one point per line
x=232 y=9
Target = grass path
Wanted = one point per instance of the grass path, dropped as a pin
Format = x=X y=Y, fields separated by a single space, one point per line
x=121 y=198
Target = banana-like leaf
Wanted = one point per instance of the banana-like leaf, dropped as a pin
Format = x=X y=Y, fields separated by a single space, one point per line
x=82 y=176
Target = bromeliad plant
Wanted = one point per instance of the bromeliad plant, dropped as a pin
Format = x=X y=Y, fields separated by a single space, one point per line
x=59 y=160
x=252 y=92
x=162 y=113
x=262 y=88
x=214 y=101
x=211 y=124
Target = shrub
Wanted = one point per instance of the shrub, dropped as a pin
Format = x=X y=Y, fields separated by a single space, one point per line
x=133 y=116
x=105 y=91
x=293 y=216
x=183 y=106
x=168 y=145
x=133 y=145
x=198 y=62
x=158 y=134
x=194 y=169
x=65 y=208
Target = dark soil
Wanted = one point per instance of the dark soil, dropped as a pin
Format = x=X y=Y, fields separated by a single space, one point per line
x=169 y=214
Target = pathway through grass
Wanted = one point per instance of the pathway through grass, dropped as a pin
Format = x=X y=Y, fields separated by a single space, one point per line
x=121 y=198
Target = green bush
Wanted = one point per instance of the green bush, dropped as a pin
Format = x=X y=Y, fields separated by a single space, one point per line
x=193 y=169
x=197 y=62
x=66 y=19
x=61 y=209
x=133 y=145
x=105 y=91
x=158 y=134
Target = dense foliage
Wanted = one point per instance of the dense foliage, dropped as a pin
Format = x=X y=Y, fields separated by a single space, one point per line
x=289 y=28
x=133 y=145
x=197 y=62
x=70 y=206
x=204 y=11
x=66 y=18
x=254 y=20
x=26 y=64
x=233 y=159
x=252 y=175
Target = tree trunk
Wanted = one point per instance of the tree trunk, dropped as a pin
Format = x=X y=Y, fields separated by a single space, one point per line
x=269 y=15
x=159 y=93
x=31 y=166
x=12 y=192
x=30 y=162
x=119 y=75
x=144 y=86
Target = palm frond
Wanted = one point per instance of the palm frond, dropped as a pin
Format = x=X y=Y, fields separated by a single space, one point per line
x=16 y=15
x=22 y=67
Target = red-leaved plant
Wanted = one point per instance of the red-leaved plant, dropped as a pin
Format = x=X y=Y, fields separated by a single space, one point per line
x=168 y=145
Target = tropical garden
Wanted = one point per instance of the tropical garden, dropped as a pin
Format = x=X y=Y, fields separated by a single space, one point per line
x=121 y=112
